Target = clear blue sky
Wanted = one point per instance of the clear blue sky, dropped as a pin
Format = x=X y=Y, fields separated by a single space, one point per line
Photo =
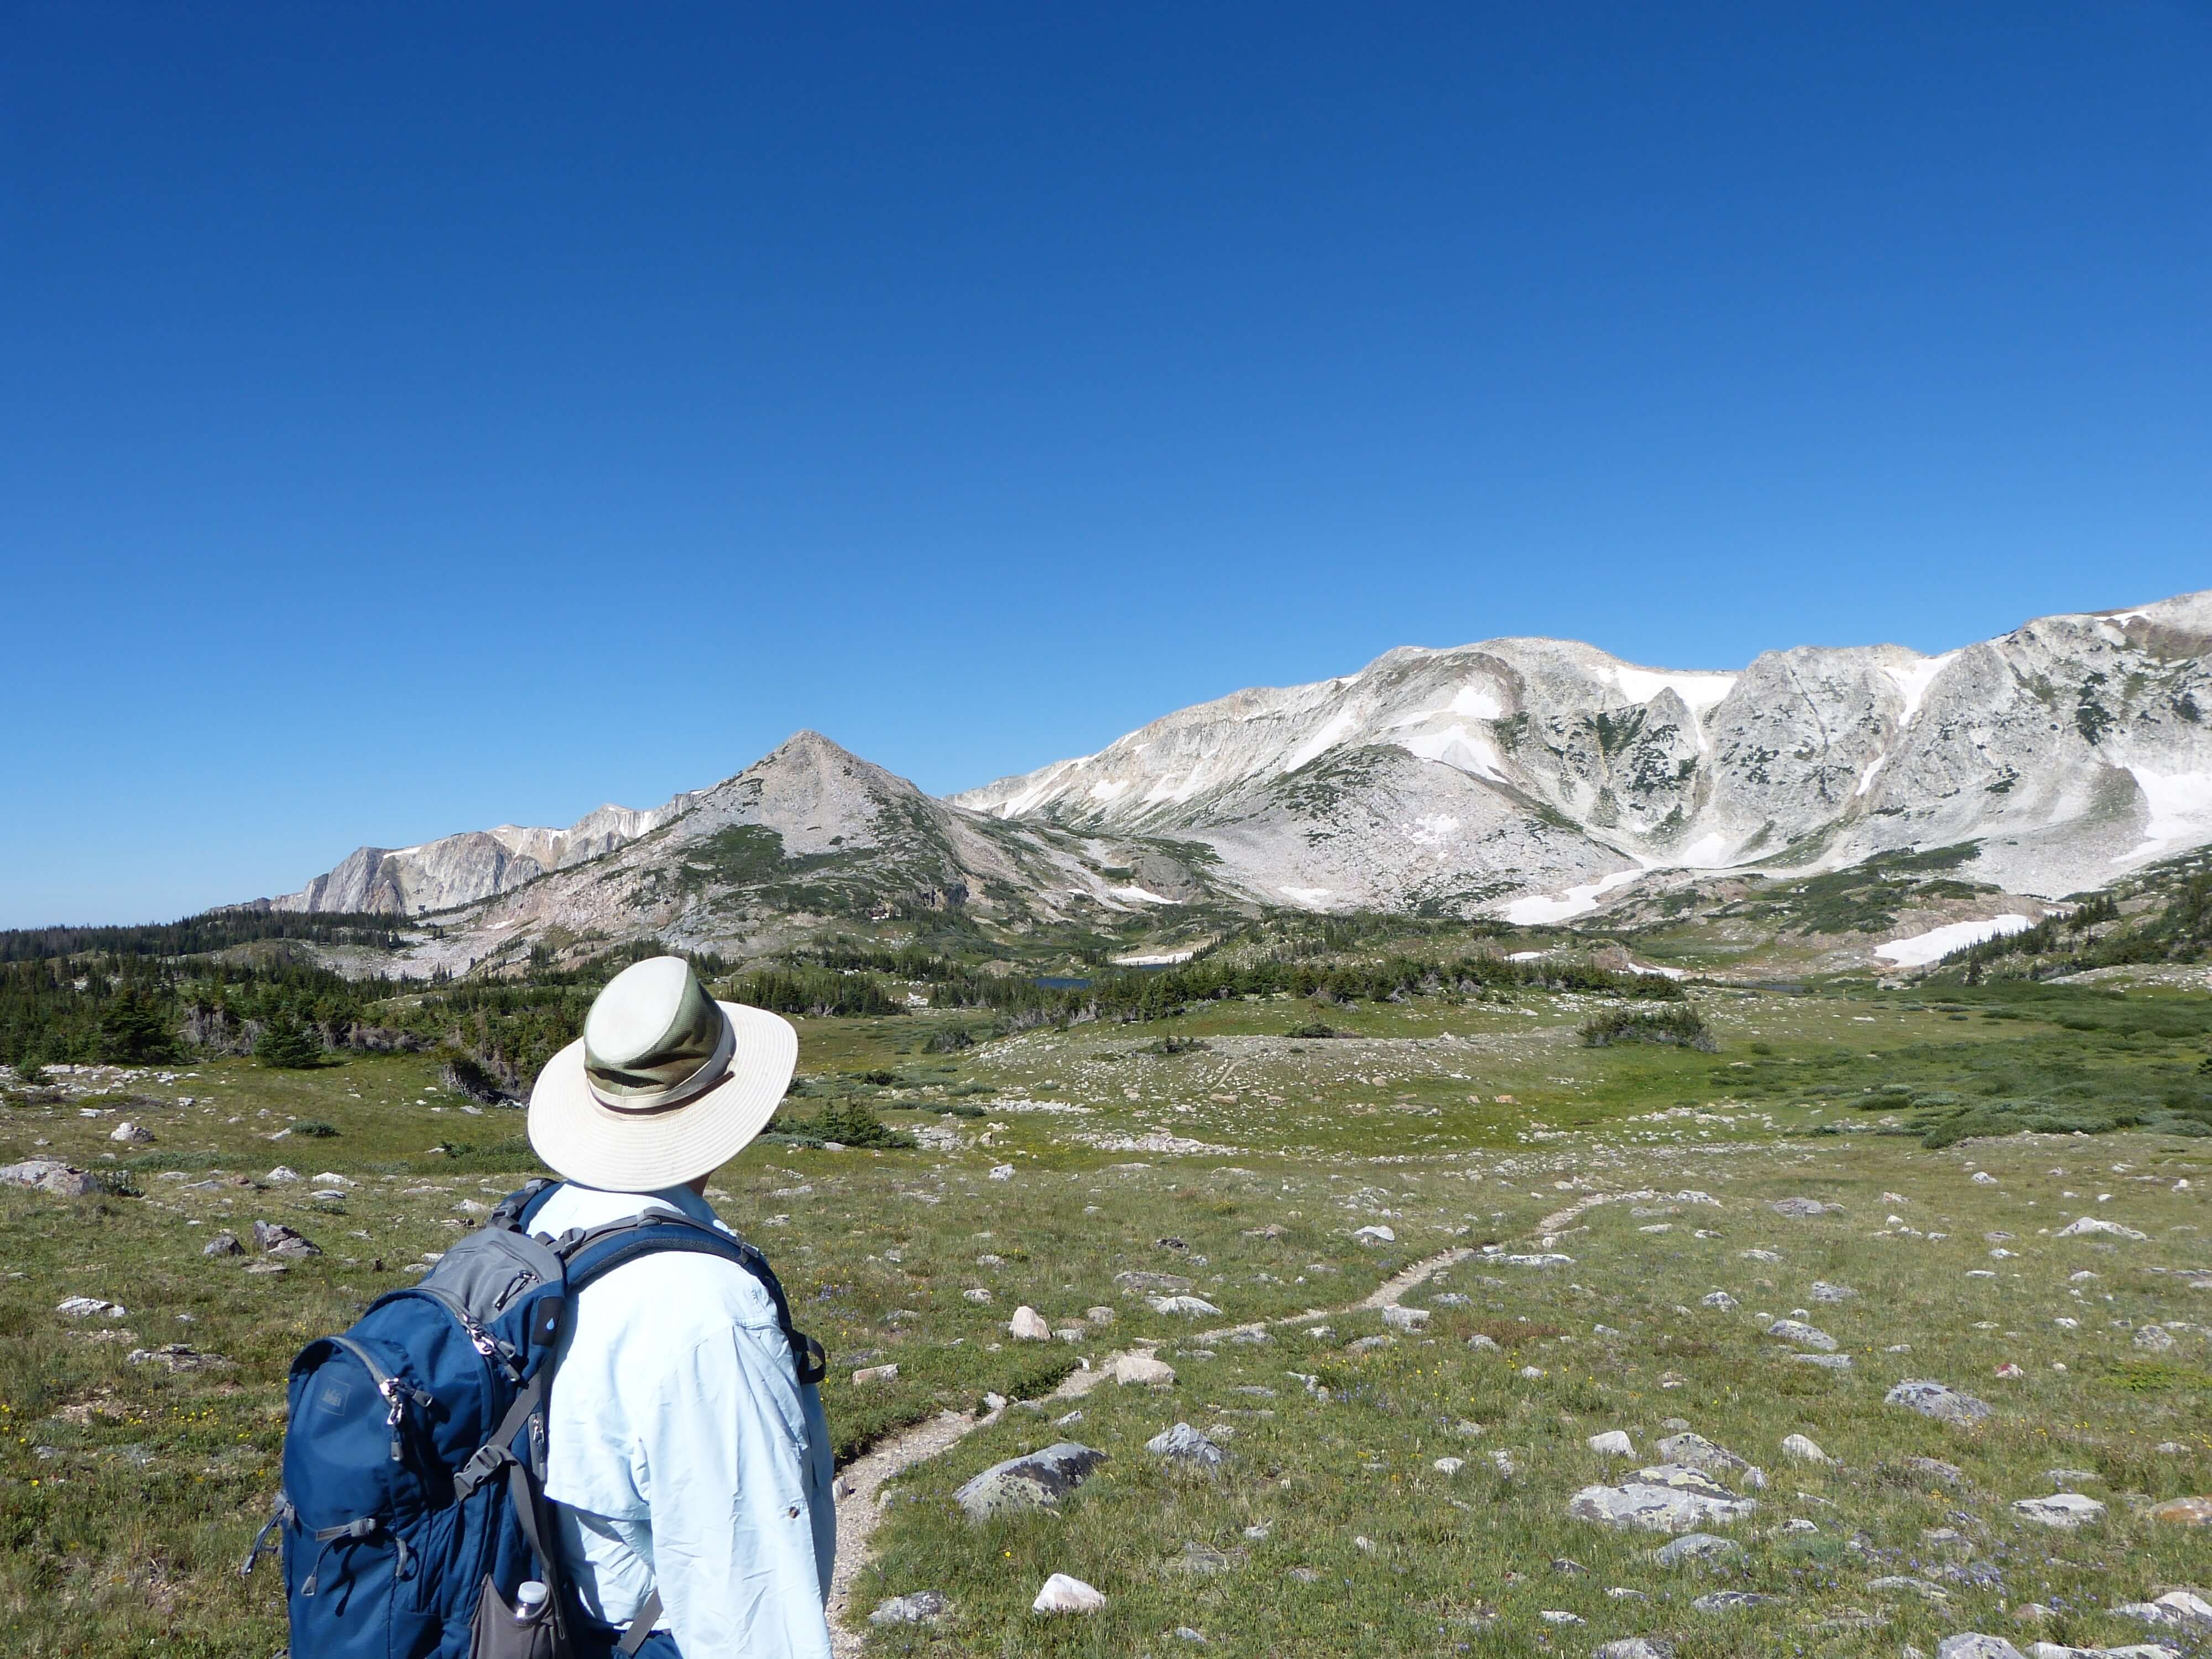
x=415 y=417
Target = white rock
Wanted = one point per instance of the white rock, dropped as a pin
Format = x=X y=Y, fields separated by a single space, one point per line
x=131 y=1133
x=1006 y=1172
x=1613 y=1442
x=1405 y=1319
x=2065 y=1510
x=1062 y=1594
x=1375 y=1234
x=281 y=1175
x=1801 y=1450
x=1028 y=1325
x=2089 y=1225
x=1972 y=1644
x=89 y=1307
x=1720 y=1299
x=1140 y=1369
x=1189 y=1306
x=1449 y=1465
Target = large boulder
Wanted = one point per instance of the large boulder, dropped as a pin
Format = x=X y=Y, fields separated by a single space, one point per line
x=48 y=1174
x=1667 y=1498
x=1038 y=1481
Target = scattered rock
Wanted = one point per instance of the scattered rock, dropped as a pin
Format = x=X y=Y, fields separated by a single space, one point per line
x=2181 y=1609
x=1166 y=1283
x=1696 y=1452
x=1936 y=1400
x=274 y=1238
x=1448 y=1466
x=1974 y=1645
x=1730 y=1601
x=922 y=1608
x=1028 y=1325
x=2182 y=1512
x=1636 y=1647
x=1720 y=1299
x=1800 y=1449
x=1901 y=1583
x=282 y=1176
x=1140 y=1367
x=1405 y=1319
x=2153 y=1339
x=48 y=1174
x=1190 y=1307
x=89 y=1306
x=868 y=1374
x=2089 y=1225
x=1613 y=1442
x=1826 y=1362
x=136 y=1135
x=1184 y=1444
x=2066 y=1509
x=1099 y=1315
x=1062 y=1594
x=1036 y=1482
x=1801 y=1207
x=1375 y=1234
x=223 y=1243
x=1483 y=1343
x=1667 y=1498
x=1804 y=1335
x=1823 y=1292
x=1695 y=1547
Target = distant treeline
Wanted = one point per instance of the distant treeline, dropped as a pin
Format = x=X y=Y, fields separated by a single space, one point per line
x=127 y=1009
x=1135 y=994
x=209 y=932
x=123 y=1004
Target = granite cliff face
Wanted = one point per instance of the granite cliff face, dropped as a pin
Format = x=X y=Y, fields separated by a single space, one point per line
x=460 y=869
x=2071 y=750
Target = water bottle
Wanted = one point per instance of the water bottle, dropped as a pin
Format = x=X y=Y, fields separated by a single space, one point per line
x=528 y=1601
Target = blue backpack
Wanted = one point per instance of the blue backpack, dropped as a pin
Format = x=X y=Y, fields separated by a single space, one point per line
x=412 y=1509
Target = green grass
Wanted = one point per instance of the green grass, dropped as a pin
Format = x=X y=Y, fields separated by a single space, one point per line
x=1260 y=1150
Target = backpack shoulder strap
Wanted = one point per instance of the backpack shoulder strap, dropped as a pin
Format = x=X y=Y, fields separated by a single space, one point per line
x=600 y=1250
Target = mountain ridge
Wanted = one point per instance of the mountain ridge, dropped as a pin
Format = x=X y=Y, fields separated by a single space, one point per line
x=1529 y=778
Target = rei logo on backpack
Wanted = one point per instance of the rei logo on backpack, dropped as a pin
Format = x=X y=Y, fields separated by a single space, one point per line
x=412 y=1516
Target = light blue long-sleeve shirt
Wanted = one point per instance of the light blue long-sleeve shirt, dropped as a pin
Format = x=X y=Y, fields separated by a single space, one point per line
x=683 y=1452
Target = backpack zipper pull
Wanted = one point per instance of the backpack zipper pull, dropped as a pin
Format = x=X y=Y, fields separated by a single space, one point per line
x=390 y=1388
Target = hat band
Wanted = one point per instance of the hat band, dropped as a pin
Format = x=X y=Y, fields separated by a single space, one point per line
x=712 y=1071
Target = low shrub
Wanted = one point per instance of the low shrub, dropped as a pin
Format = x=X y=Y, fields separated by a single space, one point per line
x=1680 y=1028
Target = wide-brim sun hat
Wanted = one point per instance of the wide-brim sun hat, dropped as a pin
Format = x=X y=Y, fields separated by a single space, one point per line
x=665 y=1084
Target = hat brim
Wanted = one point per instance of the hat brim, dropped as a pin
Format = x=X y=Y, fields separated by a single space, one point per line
x=640 y=1152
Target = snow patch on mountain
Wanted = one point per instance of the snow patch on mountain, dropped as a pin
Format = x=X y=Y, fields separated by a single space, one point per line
x=1921 y=949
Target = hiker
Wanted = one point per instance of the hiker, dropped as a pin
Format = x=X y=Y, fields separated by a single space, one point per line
x=686 y=1459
